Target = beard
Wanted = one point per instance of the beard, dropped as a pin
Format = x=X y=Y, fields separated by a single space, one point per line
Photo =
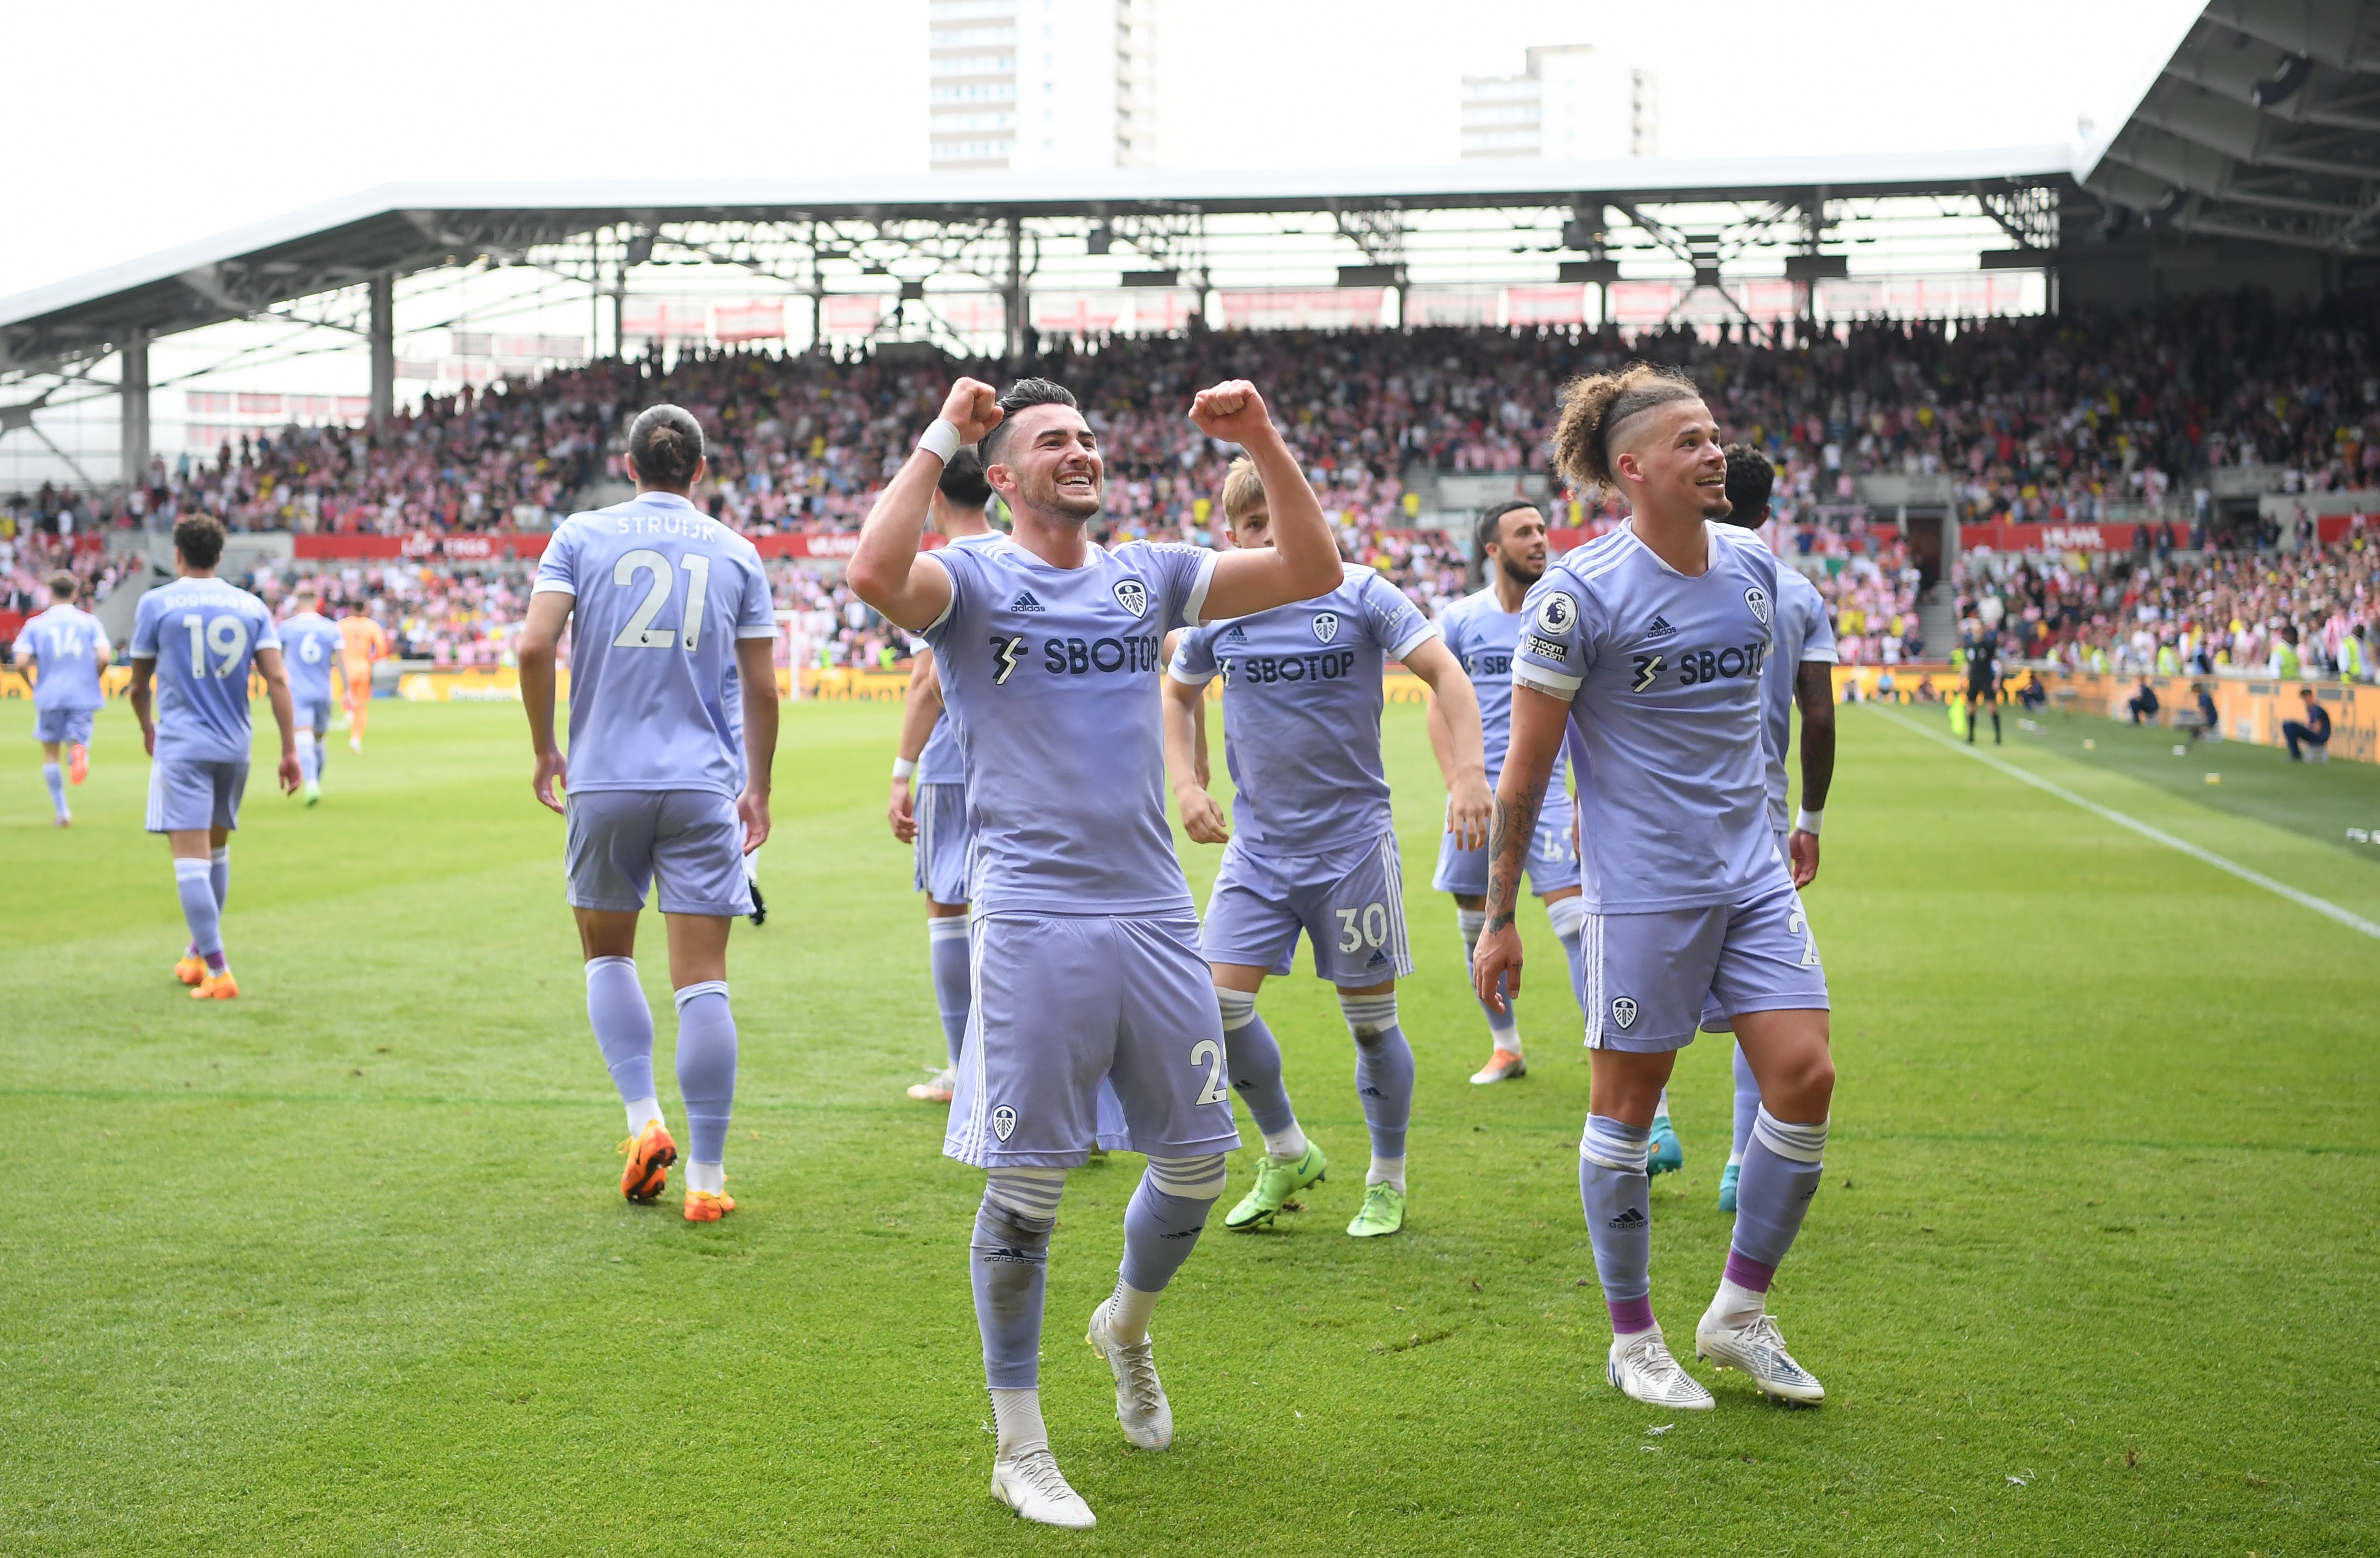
x=1525 y=570
x=1043 y=495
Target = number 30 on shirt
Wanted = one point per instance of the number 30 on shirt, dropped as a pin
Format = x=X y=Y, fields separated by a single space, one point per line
x=640 y=633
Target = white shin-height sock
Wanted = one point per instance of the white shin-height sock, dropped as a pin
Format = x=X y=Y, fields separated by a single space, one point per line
x=1016 y=1417
x=712 y=1177
x=642 y=1112
x=1387 y=1171
x=1128 y=1313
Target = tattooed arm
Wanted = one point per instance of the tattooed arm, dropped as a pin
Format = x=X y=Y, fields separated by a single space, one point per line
x=1537 y=721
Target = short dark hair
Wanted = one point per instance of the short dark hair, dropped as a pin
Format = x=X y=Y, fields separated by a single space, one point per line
x=64 y=586
x=666 y=443
x=199 y=539
x=1024 y=392
x=1491 y=523
x=1750 y=479
x=962 y=480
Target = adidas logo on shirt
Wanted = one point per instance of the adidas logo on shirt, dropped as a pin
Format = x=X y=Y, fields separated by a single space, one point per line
x=1661 y=628
x=1238 y=635
x=1025 y=602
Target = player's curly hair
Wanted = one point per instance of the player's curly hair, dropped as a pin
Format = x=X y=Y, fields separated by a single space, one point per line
x=666 y=443
x=1593 y=408
x=199 y=539
x=1750 y=479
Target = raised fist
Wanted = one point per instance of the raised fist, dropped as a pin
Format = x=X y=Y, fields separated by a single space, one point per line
x=1232 y=411
x=973 y=407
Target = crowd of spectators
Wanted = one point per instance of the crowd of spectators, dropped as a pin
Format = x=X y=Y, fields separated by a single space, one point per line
x=2264 y=613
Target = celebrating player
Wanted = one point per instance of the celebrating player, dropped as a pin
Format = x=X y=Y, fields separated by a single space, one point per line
x=1481 y=630
x=663 y=598
x=935 y=817
x=310 y=645
x=65 y=647
x=363 y=643
x=1797 y=670
x=1648 y=645
x=1315 y=850
x=1084 y=945
x=197 y=638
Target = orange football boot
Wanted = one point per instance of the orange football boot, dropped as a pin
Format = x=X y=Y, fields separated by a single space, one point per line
x=217 y=987
x=708 y=1205
x=77 y=763
x=191 y=969
x=650 y=1152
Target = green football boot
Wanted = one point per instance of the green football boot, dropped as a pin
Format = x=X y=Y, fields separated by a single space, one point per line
x=1383 y=1212
x=1276 y=1182
x=1728 y=1176
x=1668 y=1155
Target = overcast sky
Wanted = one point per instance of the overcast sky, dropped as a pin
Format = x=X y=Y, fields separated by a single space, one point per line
x=140 y=126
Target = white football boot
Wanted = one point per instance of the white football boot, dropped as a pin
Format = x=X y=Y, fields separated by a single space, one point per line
x=1642 y=1369
x=1759 y=1350
x=1032 y=1485
x=1141 y=1407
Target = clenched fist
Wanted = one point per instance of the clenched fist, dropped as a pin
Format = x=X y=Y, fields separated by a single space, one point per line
x=973 y=407
x=1232 y=411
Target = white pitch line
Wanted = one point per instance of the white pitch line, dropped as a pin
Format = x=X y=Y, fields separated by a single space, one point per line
x=2320 y=905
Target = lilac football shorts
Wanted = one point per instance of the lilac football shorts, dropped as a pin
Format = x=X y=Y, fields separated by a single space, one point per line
x=1647 y=979
x=184 y=794
x=692 y=840
x=1350 y=903
x=942 y=840
x=1063 y=1001
x=1552 y=864
x=67 y=726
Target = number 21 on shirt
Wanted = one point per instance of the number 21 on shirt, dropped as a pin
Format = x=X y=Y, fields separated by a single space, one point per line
x=640 y=633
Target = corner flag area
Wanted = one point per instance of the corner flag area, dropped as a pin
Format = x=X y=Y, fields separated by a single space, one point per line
x=341 y=1266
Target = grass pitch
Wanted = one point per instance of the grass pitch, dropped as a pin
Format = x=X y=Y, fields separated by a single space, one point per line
x=341 y=1267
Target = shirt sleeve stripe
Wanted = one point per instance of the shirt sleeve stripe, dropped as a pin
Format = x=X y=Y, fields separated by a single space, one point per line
x=769 y=631
x=1194 y=609
x=1551 y=683
x=553 y=587
x=1819 y=655
x=1175 y=673
x=1426 y=631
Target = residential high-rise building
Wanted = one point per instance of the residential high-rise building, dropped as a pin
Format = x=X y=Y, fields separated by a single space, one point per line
x=1573 y=103
x=1042 y=84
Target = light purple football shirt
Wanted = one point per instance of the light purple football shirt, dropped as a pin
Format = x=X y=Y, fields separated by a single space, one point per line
x=939 y=762
x=1483 y=635
x=1803 y=637
x=661 y=592
x=1662 y=674
x=203 y=634
x=1051 y=675
x=309 y=647
x=66 y=640
x=1302 y=712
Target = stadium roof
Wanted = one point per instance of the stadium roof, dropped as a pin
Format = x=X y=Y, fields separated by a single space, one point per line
x=2265 y=123
x=402 y=228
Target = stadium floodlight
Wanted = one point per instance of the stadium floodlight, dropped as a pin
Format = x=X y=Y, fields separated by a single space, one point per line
x=1102 y=239
x=1152 y=278
x=2288 y=76
x=1816 y=267
x=641 y=248
x=911 y=291
x=1371 y=276
x=1601 y=271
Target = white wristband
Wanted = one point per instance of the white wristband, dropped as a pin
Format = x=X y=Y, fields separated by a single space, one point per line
x=1807 y=821
x=904 y=767
x=941 y=440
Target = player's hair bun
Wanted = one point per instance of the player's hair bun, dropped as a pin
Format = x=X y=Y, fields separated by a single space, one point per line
x=1593 y=407
x=666 y=443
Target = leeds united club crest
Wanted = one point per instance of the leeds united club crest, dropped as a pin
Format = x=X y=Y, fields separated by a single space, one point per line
x=1624 y=1011
x=1326 y=627
x=1132 y=596
x=1003 y=1122
x=1757 y=598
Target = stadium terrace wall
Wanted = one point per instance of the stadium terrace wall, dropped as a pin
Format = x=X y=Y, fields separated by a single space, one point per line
x=506 y=546
x=2251 y=708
